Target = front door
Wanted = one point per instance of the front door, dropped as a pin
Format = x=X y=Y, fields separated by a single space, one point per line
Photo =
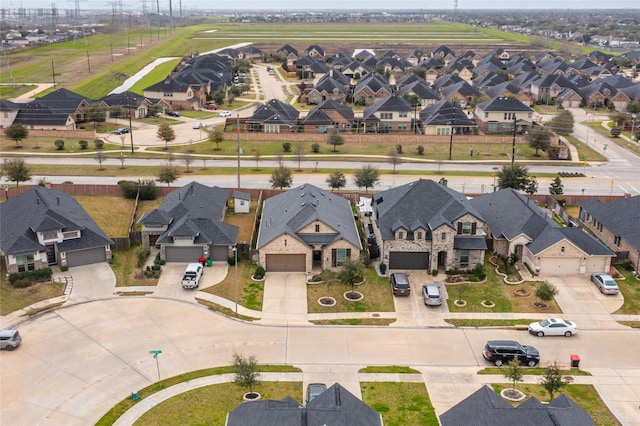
x=51 y=254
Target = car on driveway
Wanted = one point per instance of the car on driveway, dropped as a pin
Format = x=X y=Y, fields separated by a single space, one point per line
x=605 y=282
x=501 y=352
x=173 y=113
x=9 y=339
x=553 y=327
x=225 y=114
x=122 y=131
x=400 y=284
x=314 y=390
x=197 y=125
x=211 y=106
x=431 y=294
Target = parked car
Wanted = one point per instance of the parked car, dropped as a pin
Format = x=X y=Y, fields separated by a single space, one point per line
x=197 y=125
x=192 y=275
x=400 y=284
x=122 y=131
x=605 y=282
x=553 y=327
x=315 y=389
x=173 y=113
x=10 y=339
x=502 y=351
x=225 y=114
x=211 y=106
x=431 y=294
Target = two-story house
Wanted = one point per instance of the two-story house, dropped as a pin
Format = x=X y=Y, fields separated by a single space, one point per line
x=329 y=115
x=499 y=115
x=424 y=225
x=393 y=113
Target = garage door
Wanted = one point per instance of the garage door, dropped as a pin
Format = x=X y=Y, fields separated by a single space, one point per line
x=183 y=254
x=86 y=257
x=286 y=263
x=559 y=266
x=219 y=253
x=413 y=260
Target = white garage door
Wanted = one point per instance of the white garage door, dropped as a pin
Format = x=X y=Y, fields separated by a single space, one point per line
x=559 y=266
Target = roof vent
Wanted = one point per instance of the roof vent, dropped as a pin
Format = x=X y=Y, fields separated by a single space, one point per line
x=302 y=204
x=58 y=200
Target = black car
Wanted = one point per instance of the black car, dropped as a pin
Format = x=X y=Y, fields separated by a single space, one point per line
x=503 y=351
x=400 y=284
x=122 y=131
x=173 y=113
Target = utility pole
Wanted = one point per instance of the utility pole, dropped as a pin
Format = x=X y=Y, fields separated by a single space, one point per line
x=513 y=145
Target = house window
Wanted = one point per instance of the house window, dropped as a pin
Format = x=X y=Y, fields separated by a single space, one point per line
x=486 y=115
x=600 y=227
x=338 y=256
x=444 y=236
x=402 y=126
x=272 y=128
x=386 y=115
x=70 y=235
x=617 y=240
x=317 y=228
x=50 y=235
x=25 y=263
x=402 y=114
x=419 y=235
x=466 y=228
x=464 y=257
x=400 y=235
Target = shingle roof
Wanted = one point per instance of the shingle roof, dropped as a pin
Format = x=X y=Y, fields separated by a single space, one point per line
x=318 y=114
x=391 y=103
x=445 y=112
x=292 y=210
x=43 y=209
x=275 y=111
x=503 y=103
x=621 y=217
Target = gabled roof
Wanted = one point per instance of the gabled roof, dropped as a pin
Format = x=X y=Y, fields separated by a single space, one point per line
x=36 y=113
x=315 y=47
x=503 y=103
x=484 y=407
x=502 y=89
x=447 y=80
x=288 y=50
x=444 y=113
x=391 y=103
x=408 y=79
x=621 y=217
x=374 y=82
x=618 y=81
x=290 y=211
x=6 y=105
x=42 y=209
x=169 y=85
x=329 y=84
x=318 y=115
x=420 y=204
x=275 y=112
x=442 y=51
x=462 y=88
x=488 y=80
x=420 y=88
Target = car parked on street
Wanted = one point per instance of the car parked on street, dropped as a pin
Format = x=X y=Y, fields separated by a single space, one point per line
x=122 y=131
x=501 y=352
x=314 y=390
x=197 y=125
x=225 y=114
x=605 y=282
x=431 y=294
x=400 y=284
x=553 y=327
x=10 y=339
x=173 y=113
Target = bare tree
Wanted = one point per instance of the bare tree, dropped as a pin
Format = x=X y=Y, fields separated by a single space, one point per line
x=394 y=159
x=122 y=158
x=100 y=157
x=256 y=156
x=299 y=152
x=187 y=159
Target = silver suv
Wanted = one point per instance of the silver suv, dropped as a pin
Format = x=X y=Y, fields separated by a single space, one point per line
x=9 y=339
x=431 y=294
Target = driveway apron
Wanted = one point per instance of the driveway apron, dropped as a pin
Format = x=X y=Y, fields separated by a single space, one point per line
x=91 y=282
x=285 y=298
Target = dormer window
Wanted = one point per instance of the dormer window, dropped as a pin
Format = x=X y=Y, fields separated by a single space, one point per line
x=49 y=235
x=401 y=235
x=418 y=235
x=317 y=228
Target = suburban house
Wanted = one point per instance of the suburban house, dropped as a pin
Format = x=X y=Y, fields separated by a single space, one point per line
x=177 y=94
x=274 y=117
x=515 y=224
x=315 y=51
x=444 y=118
x=336 y=407
x=8 y=112
x=425 y=225
x=329 y=115
x=617 y=223
x=188 y=225
x=59 y=110
x=132 y=104
x=370 y=88
x=499 y=115
x=484 y=407
x=327 y=87
x=45 y=227
x=306 y=228
x=392 y=113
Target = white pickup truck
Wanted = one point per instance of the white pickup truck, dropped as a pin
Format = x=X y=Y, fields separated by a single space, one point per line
x=192 y=275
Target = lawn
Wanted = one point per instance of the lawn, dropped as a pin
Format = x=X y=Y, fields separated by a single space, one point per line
x=630 y=289
x=244 y=221
x=400 y=404
x=12 y=299
x=585 y=396
x=250 y=293
x=126 y=271
x=111 y=213
x=376 y=291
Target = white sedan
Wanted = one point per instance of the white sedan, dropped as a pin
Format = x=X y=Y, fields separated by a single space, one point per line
x=225 y=114
x=553 y=327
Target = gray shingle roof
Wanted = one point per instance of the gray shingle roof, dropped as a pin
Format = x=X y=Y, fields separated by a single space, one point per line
x=391 y=103
x=421 y=202
x=275 y=112
x=292 y=210
x=621 y=217
x=43 y=209
x=503 y=104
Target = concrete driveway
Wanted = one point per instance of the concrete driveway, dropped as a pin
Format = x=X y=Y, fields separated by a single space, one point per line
x=170 y=281
x=412 y=310
x=90 y=282
x=285 y=298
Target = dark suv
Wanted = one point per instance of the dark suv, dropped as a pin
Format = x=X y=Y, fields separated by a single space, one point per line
x=502 y=351
x=400 y=284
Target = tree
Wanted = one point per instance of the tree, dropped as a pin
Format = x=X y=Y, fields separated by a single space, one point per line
x=100 y=157
x=16 y=132
x=552 y=380
x=216 y=136
x=154 y=110
x=539 y=138
x=513 y=372
x=281 y=177
x=532 y=186
x=168 y=174
x=562 y=123
x=96 y=113
x=328 y=277
x=218 y=96
x=394 y=159
x=633 y=107
x=256 y=156
x=351 y=273
x=187 y=159
x=619 y=118
x=116 y=112
x=336 y=180
x=16 y=170
x=556 y=187
x=545 y=291
x=335 y=139
x=166 y=133
x=366 y=177
x=245 y=371
x=299 y=153
x=516 y=177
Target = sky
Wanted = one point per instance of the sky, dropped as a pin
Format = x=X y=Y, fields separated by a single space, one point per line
x=336 y=4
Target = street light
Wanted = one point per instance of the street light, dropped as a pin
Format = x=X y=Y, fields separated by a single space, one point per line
x=129 y=114
x=238 y=131
x=235 y=253
x=453 y=117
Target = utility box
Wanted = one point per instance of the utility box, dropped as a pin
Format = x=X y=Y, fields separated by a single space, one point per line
x=575 y=361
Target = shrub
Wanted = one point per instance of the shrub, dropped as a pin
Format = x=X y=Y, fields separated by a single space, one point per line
x=23 y=283
x=148 y=189
x=315 y=147
x=83 y=144
x=434 y=272
x=231 y=260
x=478 y=271
x=383 y=268
x=627 y=265
x=259 y=273
x=399 y=148
x=99 y=143
x=286 y=147
x=64 y=268
x=420 y=149
x=38 y=275
x=141 y=256
x=59 y=143
x=474 y=278
x=155 y=267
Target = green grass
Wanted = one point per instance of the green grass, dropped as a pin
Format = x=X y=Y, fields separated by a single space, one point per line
x=125 y=269
x=488 y=322
x=533 y=371
x=391 y=369
x=400 y=404
x=12 y=299
x=630 y=289
x=586 y=396
x=250 y=293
